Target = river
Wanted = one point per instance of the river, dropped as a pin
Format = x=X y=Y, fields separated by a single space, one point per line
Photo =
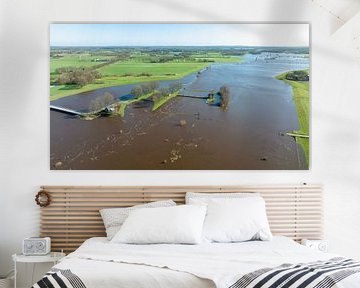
x=247 y=136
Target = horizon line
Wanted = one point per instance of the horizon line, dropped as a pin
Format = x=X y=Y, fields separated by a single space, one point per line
x=108 y=46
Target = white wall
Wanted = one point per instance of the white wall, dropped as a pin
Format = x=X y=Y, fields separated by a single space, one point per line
x=24 y=114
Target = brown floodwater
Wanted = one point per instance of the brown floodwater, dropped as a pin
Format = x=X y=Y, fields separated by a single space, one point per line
x=246 y=136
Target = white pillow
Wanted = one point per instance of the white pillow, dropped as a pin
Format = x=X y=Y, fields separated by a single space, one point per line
x=204 y=198
x=236 y=220
x=173 y=225
x=113 y=218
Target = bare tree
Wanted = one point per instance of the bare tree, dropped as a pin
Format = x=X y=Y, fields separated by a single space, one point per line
x=137 y=91
x=153 y=85
x=95 y=104
x=164 y=92
x=108 y=99
x=175 y=86
x=225 y=97
x=144 y=88
x=156 y=97
x=102 y=101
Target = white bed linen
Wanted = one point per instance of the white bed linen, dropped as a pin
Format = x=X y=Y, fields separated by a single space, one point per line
x=102 y=274
x=100 y=263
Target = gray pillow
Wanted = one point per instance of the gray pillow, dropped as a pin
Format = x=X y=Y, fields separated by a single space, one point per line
x=204 y=198
x=113 y=218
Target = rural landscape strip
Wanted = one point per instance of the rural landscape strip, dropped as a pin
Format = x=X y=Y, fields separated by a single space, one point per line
x=117 y=71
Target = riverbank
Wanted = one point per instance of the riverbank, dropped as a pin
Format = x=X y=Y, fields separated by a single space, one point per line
x=301 y=99
x=163 y=100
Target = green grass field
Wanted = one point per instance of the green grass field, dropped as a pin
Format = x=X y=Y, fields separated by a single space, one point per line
x=75 y=60
x=113 y=76
x=217 y=57
x=128 y=72
x=155 y=69
x=301 y=94
x=60 y=91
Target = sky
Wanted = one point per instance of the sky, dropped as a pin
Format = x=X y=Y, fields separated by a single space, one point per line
x=62 y=34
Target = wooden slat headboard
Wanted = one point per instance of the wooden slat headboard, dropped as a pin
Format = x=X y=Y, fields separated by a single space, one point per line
x=73 y=215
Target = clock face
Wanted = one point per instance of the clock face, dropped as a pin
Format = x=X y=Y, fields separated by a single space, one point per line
x=40 y=245
x=29 y=245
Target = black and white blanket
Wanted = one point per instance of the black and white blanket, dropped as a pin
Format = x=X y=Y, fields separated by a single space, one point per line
x=320 y=274
x=57 y=278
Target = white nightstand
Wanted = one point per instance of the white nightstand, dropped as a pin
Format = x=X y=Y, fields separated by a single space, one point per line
x=53 y=257
x=320 y=245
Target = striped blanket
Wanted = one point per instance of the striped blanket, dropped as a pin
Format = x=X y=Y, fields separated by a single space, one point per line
x=320 y=274
x=57 y=278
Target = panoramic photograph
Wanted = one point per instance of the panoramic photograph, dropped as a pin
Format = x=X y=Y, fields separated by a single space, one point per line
x=179 y=96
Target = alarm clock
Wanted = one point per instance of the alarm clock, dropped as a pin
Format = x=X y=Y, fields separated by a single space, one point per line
x=36 y=246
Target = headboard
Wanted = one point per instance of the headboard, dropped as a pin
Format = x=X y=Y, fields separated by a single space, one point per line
x=73 y=214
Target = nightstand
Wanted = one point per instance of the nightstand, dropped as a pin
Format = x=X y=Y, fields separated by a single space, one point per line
x=320 y=245
x=52 y=257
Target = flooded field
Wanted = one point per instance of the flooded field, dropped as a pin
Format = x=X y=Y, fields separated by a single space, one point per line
x=249 y=135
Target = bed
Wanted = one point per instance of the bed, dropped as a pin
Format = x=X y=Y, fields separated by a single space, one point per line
x=295 y=211
x=99 y=263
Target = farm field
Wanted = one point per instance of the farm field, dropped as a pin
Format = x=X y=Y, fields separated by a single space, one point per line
x=122 y=68
x=154 y=69
x=76 y=60
x=58 y=92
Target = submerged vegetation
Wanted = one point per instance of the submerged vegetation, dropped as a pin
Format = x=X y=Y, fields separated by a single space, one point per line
x=301 y=99
x=108 y=105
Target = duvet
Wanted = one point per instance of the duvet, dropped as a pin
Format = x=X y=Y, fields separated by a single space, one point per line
x=256 y=264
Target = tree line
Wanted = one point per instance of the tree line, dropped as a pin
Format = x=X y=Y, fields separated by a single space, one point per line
x=108 y=99
x=300 y=75
x=153 y=86
x=76 y=76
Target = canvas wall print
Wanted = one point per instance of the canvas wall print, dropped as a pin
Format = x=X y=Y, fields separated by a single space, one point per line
x=194 y=96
